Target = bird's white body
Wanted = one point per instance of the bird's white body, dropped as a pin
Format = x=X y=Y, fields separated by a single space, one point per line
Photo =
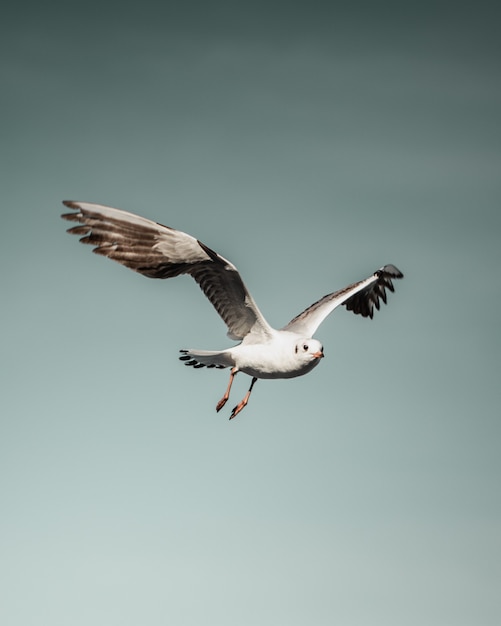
x=159 y=251
x=280 y=359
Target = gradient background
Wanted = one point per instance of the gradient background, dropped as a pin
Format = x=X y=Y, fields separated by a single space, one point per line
x=310 y=143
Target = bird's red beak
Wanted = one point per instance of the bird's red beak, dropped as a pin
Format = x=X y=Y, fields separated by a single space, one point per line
x=318 y=355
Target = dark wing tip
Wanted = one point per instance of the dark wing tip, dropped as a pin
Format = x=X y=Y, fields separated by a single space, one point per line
x=391 y=271
x=363 y=302
x=72 y=217
x=81 y=229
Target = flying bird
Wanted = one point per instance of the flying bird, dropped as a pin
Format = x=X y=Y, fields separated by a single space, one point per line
x=159 y=251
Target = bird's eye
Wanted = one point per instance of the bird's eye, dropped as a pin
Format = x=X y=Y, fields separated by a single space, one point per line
x=305 y=347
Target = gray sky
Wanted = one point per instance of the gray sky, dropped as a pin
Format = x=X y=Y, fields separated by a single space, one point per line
x=310 y=145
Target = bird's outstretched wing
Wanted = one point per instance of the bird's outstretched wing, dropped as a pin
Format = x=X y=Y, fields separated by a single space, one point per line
x=158 y=251
x=361 y=298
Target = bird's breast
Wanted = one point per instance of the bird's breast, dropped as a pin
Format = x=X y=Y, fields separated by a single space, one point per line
x=268 y=361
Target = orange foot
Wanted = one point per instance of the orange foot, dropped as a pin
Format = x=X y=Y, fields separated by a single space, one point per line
x=238 y=408
x=221 y=403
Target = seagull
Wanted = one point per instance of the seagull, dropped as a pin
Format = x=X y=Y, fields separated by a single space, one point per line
x=159 y=251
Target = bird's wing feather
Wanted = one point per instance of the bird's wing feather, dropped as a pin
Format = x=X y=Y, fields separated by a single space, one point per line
x=159 y=251
x=360 y=297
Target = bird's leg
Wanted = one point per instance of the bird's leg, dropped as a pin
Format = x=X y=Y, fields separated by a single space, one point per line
x=243 y=403
x=224 y=399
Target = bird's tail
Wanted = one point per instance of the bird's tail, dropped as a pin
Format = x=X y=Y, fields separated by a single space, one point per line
x=207 y=358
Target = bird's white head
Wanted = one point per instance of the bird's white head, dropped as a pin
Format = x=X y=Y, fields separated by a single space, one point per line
x=309 y=350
